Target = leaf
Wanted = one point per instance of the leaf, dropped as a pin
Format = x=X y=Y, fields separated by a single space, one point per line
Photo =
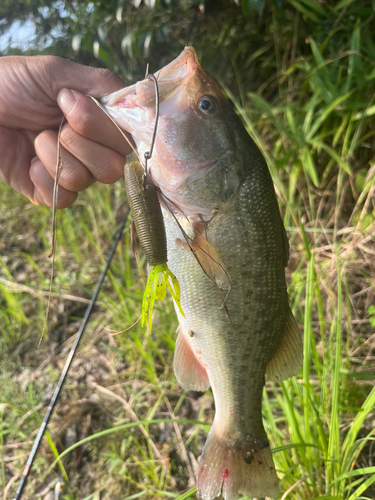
x=76 y=41
x=324 y=115
x=147 y=45
x=127 y=45
x=364 y=114
x=306 y=127
x=294 y=128
x=309 y=166
x=351 y=436
x=253 y=5
x=322 y=70
x=355 y=64
x=306 y=12
x=95 y=48
x=315 y=5
x=333 y=155
x=102 y=33
x=267 y=110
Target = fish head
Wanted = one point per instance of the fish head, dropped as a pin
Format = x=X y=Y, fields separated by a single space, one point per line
x=196 y=161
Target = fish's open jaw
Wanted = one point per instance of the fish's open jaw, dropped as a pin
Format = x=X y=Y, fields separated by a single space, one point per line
x=134 y=106
x=183 y=66
x=142 y=94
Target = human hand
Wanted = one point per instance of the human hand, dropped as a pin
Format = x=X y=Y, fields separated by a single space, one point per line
x=34 y=96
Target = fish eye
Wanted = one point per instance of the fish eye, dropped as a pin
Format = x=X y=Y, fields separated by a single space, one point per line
x=207 y=104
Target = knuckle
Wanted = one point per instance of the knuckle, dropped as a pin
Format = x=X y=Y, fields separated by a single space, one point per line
x=45 y=143
x=73 y=175
x=67 y=179
x=66 y=199
x=109 y=169
x=106 y=73
x=40 y=139
x=67 y=136
x=111 y=78
x=81 y=118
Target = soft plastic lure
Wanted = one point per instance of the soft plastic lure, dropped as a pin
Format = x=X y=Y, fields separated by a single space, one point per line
x=149 y=223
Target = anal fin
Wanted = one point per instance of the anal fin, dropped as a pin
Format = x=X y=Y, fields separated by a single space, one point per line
x=287 y=360
x=190 y=372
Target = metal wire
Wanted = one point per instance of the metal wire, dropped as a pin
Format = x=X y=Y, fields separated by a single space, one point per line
x=69 y=360
x=148 y=154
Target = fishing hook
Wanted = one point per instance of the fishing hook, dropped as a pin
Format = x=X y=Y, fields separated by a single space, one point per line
x=148 y=154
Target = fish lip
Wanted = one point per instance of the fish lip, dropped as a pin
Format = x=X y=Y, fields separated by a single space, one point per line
x=133 y=108
x=142 y=94
x=183 y=66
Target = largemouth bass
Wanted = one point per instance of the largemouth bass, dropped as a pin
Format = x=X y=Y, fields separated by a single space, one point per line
x=228 y=248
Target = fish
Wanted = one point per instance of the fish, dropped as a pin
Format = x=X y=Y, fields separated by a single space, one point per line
x=228 y=248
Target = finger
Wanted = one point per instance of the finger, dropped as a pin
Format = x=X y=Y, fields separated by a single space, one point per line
x=83 y=160
x=74 y=175
x=16 y=151
x=88 y=120
x=43 y=188
x=104 y=163
x=59 y=73
x=38 y=79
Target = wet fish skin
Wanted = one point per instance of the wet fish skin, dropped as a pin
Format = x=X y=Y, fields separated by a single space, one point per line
x=248 y=236
x=220 y=189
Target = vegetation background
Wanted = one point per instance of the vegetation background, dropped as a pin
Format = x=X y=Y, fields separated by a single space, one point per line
x=301 y=75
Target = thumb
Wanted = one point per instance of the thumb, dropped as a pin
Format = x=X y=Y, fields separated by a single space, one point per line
x=88 y=120
x=59 y=73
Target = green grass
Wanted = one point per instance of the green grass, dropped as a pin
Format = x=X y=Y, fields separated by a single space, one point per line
x=123 y=427
x=319 y=422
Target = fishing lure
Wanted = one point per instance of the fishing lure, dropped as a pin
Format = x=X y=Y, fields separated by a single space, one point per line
x=149 y=223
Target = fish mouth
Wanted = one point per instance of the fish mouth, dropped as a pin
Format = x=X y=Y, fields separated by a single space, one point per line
x=169 y=78
x=134 y=106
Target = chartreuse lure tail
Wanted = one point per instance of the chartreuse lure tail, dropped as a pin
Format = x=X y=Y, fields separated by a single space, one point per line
x=149 y=224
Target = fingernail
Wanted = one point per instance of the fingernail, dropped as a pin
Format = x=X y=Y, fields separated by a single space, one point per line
x=34 y=158
x=66 y=100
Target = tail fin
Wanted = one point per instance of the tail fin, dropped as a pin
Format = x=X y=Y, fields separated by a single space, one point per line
x=236 y=468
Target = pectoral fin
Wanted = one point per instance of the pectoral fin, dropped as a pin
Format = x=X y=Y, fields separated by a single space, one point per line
x=209 y=260
x=190 y=372
x=203 y=251
x=288 y=359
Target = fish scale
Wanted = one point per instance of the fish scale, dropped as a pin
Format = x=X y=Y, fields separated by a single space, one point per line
x=230 y=361
x=227 y=247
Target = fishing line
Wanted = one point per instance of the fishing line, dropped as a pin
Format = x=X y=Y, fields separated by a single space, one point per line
x=59 y=166
x=148 y=154
x=115 y=124
x=69 y=360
